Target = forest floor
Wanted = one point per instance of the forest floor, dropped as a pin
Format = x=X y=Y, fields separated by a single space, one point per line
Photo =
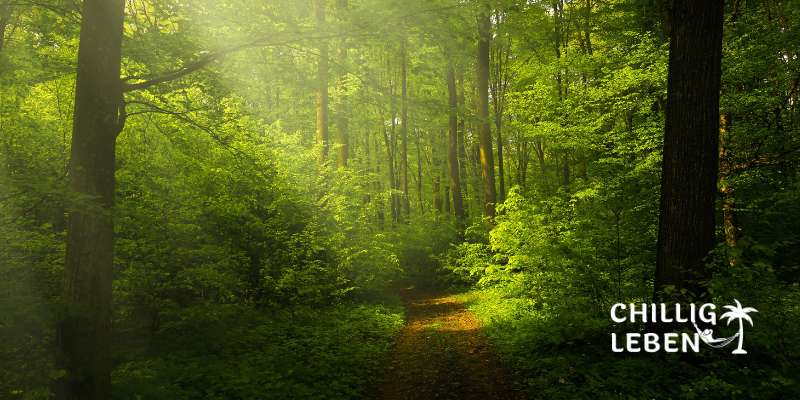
x=442 y=354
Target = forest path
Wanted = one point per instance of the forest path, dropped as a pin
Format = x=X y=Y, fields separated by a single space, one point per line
x=442 y=354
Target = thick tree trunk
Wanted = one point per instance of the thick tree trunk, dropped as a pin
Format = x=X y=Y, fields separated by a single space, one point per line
x=486 y=155
x=322 y=84
x=691 y=154
x=84 y=333
x=452 y=149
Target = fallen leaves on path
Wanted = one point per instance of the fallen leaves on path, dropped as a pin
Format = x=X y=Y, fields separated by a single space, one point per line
x=441 y=354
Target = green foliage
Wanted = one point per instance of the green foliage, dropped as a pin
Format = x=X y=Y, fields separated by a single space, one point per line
x=247 y=266
x=230 y=351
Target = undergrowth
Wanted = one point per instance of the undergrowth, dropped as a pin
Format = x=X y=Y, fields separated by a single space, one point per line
x=561 y=356
x=237 y=352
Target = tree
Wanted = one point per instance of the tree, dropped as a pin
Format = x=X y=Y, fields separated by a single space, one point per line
x=691 y=157
x=342 y=122
x=404 y=126
x=500 y=58
x=452 y=147
x=485 y=149
x=322 y=83
x=84 y=333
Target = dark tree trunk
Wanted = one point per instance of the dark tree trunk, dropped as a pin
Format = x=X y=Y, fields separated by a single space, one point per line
x=84 y=333
x=452 y=148
x=587 y=27
x=322 y=84
x=486 y=155
x=498 y=84
x=691 y=154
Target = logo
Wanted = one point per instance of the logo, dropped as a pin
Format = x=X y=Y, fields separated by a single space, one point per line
x=673 y=342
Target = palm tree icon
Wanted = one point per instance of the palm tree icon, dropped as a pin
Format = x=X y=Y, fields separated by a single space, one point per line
x=738 y=313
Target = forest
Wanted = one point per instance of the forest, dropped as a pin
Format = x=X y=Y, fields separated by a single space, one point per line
x=399 y=199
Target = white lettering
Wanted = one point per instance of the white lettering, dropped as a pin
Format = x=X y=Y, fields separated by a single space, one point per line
x=614 y=313
x=651 y=344
x=671 y=342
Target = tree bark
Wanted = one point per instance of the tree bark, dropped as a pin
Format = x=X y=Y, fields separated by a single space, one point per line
x=322 y=83
x=691 y=154
x=452 y=149
x=84 y=333
x=498 y=86
x=486 y=155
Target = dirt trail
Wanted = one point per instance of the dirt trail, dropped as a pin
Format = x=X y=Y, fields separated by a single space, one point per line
x=441 y=354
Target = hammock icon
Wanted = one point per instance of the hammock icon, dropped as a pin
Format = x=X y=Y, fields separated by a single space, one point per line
x=707 y=336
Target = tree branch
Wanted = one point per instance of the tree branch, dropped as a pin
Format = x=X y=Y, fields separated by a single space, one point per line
x=210 y=58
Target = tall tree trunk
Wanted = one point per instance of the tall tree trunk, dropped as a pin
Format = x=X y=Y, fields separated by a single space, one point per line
x=500 y=168
x=523 y=158
x=436 y=169
x=560 y=47
x=378 y=186
x=587 y=26
x=452 y=148
x=390 y=151
x=84 y=334
x=486 y=156
x=404 y=127
x=462 y=137
x=322 y=83
x=498 y=85
x=342 y=134
x=538 y=147
x=691 y=153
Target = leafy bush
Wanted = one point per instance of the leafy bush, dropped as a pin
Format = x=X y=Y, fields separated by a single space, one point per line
x=236 y=352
